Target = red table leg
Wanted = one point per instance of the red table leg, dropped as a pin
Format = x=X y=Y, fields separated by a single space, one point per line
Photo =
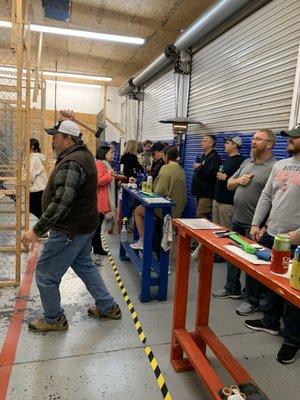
x=180 y=302
x=204 y=291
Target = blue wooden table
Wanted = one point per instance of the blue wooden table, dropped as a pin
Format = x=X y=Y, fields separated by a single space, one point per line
x=153 y=272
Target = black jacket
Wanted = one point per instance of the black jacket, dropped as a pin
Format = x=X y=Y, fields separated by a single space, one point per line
x=156 y=166
x=204 y=178
x=131 y=165
x=230 y=166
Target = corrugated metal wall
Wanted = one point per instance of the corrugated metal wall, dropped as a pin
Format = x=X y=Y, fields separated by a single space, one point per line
x=244 y=80
x=159 y=103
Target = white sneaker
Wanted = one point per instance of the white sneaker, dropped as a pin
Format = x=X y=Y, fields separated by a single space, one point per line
x=139 y=245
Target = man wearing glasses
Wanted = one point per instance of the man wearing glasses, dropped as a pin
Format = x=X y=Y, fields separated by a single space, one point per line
x=248 y=183
x=280 y=201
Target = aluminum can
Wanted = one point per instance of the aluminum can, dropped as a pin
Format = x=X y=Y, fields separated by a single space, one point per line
x=144 y=186
x=149 y=184
x=281 y=253
x=282 y=242
x=295 y=274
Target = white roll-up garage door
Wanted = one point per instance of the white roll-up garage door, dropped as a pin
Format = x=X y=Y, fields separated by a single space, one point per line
x=244 y=79
x=159 y=103
x=129 y=117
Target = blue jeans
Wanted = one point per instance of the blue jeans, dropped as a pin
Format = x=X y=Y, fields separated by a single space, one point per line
x=277 y=307
x=59 y=253
x=233 y=285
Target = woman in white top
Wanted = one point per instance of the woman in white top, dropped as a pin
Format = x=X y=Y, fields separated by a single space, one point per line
x=38 y=178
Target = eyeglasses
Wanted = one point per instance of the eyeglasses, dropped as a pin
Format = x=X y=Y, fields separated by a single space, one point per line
x=254 y=139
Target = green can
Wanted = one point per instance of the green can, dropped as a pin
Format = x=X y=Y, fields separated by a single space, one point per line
x=282 y=242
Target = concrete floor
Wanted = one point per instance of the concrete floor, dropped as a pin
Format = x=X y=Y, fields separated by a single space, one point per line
x=106 y=360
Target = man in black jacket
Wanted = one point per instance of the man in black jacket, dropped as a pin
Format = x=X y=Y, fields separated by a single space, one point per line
x=222 y=209
x=204 y=178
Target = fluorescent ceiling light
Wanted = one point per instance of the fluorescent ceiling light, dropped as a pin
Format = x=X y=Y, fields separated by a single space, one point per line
x=65 y=83
x=5 y=24
x=63 y=74
x=9 y=69
x=12 y=76
x=79 y=33
x=77 y=76
x=86 y=34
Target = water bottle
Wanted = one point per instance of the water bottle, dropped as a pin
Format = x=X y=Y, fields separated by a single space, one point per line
x=149 y=184
x=123 y=234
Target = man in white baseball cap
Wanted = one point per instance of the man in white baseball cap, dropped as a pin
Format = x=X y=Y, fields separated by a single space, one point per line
x=70 y=212
x=235 y=139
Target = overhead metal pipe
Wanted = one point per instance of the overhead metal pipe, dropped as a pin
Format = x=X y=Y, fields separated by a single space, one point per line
x=216 y=15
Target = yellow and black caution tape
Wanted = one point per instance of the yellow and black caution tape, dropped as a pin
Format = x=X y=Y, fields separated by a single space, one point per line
x=157 y=372
x=133 y=313
x=154 y=365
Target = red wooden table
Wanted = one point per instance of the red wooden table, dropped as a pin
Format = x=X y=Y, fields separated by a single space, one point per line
x=193 y=344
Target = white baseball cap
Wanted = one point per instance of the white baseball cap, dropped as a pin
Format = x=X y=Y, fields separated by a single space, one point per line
x=235 y=139
x=67 y=126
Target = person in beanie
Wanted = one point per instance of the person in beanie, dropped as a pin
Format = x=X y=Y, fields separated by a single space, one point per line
x=70 y=212
x=157 y=152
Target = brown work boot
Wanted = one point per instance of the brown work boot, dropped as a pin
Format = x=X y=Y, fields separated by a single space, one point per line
x=113 y=313
x=41 y=325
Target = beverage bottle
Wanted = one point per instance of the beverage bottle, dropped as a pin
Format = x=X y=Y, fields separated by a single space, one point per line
x=295 y=274
x=281 y=253
x=123 y=234
x=144 y=185
x=221 y=168
x=149 y=184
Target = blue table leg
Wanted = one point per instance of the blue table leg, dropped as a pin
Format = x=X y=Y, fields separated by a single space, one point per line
x=135 y=231
x=124 y=213
x=164 y=267
x=147 y=256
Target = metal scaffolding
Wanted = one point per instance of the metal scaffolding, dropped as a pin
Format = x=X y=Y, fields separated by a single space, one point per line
x=14 y=145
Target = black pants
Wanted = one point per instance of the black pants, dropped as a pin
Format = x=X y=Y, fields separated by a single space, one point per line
x=96 y=241
x=277 y=308
x=35 y=203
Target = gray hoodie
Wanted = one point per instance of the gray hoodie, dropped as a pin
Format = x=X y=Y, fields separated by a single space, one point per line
x=281 y=197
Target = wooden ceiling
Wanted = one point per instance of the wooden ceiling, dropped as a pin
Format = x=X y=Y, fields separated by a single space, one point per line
x=159 y=22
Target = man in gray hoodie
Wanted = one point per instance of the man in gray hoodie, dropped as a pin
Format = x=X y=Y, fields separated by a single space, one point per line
x=280 y=199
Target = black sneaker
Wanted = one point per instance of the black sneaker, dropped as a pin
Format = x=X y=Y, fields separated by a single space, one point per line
x=100 y=252
x=287 y=354
x=218 y=259
x=258 y=325
x=224 y=294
